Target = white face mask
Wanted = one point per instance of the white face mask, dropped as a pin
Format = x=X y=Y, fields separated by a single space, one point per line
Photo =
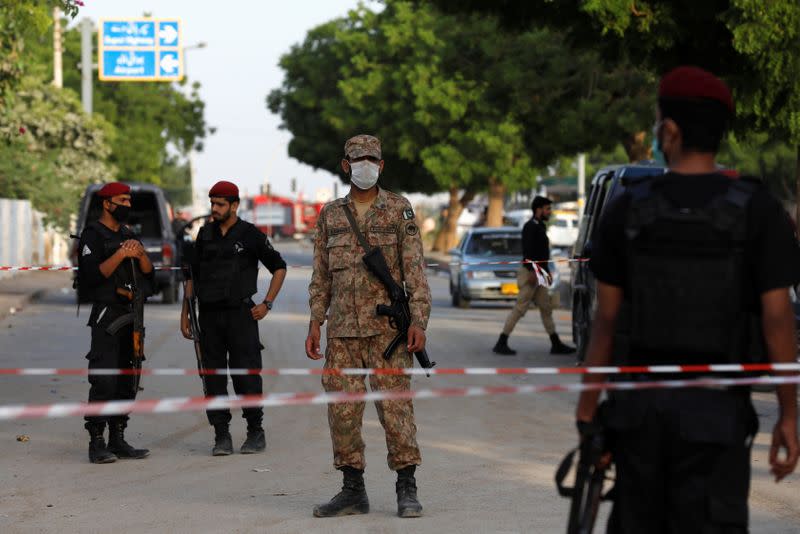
x=364 y=174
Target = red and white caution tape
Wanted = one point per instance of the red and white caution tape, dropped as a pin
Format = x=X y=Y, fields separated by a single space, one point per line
x=70 y=268
x=455 y=371
x=186 y=404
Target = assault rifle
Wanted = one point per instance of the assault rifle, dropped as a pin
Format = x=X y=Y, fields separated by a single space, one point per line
x=135 y=295
x=397 y=311
x=587 y=492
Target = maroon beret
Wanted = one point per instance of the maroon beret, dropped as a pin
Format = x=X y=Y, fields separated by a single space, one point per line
x=692 y=83
x=224 y=189
x=113 y=189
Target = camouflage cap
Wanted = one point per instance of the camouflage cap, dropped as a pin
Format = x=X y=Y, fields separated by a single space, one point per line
x=363 y=145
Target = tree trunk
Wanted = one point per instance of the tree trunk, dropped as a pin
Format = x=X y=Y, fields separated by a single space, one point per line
x=497 y=197
x=448 y=235
x=636 y=147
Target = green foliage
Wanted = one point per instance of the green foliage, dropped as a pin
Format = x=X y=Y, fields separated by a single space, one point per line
x=53 y=150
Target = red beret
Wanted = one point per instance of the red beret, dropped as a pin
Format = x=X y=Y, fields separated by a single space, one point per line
x=113 y=189
x=224 y=189
x=695 y=83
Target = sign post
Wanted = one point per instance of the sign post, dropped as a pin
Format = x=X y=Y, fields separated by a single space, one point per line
x=140 y=50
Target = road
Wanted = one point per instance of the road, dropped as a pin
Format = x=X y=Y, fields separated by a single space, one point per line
x=488 y=462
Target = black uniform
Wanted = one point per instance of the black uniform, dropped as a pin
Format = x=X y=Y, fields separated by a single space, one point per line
x=225 y=271
x=535 y=244
x=97 y=244
x=683 y=456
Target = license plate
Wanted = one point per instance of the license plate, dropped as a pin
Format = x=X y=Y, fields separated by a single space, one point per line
x=509 y=289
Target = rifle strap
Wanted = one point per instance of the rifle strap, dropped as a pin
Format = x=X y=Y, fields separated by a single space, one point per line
x=353 y=224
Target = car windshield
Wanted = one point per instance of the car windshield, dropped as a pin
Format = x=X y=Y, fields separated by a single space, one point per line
x=495 y=244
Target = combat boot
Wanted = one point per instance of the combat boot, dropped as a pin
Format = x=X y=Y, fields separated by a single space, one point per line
x=352 y=500
x=223 y=444
x=502 y=348
x=256 y=440
x=557 y=347
x=98 y=453
x=407 y=503
x=121 y=448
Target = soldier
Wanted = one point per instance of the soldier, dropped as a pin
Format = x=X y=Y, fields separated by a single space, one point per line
x=225 y=271
x=535 y=247
x=684 y=263
x=342 y=288
x=108 y=254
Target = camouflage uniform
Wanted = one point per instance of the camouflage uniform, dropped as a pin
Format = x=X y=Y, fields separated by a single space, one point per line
x=344 y=293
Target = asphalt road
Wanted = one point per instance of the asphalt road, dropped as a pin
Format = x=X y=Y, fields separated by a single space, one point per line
x=488 y=462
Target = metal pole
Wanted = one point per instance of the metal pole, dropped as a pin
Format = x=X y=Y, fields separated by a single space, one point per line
x=86 y=64
x=58 y=72
x=581 y=183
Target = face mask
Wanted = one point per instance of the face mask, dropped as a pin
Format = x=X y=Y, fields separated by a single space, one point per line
x=364 y=174
x=121 y=212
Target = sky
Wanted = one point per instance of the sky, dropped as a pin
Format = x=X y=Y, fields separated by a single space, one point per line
x=237 y=69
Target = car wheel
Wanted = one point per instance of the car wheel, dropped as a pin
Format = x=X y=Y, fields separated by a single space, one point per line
x=580 y=327
x=169 y=295
x=458 y=299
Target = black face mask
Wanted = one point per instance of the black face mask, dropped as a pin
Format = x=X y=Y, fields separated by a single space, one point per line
x=121 y=212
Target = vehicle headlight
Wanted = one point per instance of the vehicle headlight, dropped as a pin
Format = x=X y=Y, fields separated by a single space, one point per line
x=480 y=275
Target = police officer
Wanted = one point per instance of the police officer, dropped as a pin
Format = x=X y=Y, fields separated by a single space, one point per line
x=535 y=247
x=225 y=271
x=345 y=294
x=684 y=263
x=109 y=256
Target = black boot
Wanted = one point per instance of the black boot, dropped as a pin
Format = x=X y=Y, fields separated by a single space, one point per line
x=352 y=500
x=558 y=347
x=407 y=503
x=501 y=347
x=223 y=444
x=120 y=447
x=256 y=440
x=98 y=453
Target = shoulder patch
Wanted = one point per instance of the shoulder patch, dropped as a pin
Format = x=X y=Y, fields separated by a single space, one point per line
x=86 y=250
x=412 y=229
x=408 y=214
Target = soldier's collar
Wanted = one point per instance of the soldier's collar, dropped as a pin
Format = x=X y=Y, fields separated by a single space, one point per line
x=378 y=203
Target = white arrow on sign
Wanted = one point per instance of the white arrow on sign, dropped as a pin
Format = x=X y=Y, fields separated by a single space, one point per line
x=169 y=34
x=169 y=64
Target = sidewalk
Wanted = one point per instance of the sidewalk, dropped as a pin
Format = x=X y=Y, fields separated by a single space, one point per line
x=20 y=289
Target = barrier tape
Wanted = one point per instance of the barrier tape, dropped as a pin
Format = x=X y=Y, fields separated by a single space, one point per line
x=455 y=371
x=186 y=404
x=70 y=268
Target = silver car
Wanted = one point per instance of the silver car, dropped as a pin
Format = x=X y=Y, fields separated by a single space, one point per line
x=472 y=277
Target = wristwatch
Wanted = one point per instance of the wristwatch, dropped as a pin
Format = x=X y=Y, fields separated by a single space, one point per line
x=269 y=304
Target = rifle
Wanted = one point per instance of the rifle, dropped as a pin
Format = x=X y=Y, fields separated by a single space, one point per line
x=397 y=311
x=194 y=322
x=587 y=493
x=135 y=296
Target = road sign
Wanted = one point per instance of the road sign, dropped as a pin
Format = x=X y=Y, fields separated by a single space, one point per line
x=140 y=50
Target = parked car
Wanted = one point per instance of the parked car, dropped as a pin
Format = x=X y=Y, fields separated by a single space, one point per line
x=563 y=230
x=470 y=282
x=150 y=222
x=607 y=184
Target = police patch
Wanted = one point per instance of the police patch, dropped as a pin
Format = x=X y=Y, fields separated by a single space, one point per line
x=408 y=214
x=86 y=250
x=411 y=229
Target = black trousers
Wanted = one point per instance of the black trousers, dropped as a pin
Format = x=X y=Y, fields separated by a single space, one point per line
x=682 y=462
x=110 y=352
x=230 y=339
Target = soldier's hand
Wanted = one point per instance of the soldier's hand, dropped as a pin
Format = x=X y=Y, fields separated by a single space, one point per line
x=128 y=250
x=312 y=342
x=259 y=311
x=416 y=339
x=784 y=436
x=186 y=329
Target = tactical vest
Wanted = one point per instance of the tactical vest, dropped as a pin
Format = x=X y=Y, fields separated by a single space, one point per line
x=689 y=296
x=105 y=292
x=227 y=274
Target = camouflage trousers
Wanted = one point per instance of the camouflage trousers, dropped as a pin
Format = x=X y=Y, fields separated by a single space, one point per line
x=530 y=293
x=396 y=417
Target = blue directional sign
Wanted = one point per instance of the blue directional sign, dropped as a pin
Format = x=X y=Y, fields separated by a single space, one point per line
x=140 y=50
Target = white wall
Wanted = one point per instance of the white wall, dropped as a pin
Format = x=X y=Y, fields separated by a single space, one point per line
x=26 y=240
